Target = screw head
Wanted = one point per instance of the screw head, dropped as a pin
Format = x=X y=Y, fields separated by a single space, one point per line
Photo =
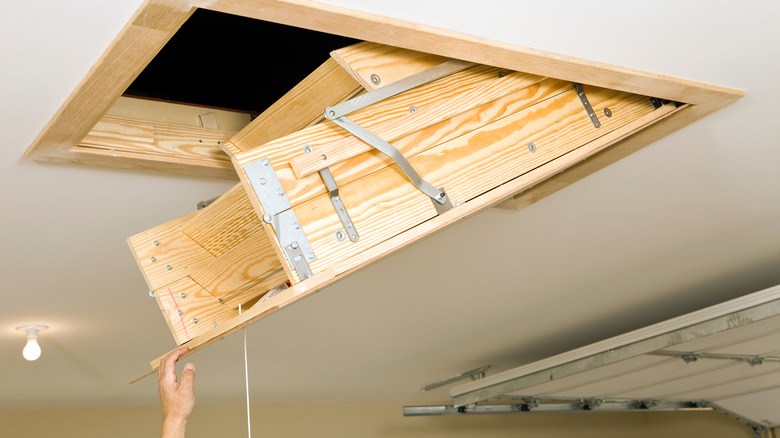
x=531 y=147
x=324 y=157
x=183 y=295
x=194 y=320
x=307 y=148
x=168 y=267
x=412 y=109
x=607 y=112
x=152 y=259
x=151 y=293
x=340 y=235
x=375 y=79
x=156 y=243
x=180 y=312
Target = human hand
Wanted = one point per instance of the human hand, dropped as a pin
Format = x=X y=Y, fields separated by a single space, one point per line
x=177 y=398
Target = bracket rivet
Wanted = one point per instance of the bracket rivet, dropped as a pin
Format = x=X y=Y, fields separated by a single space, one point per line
x=156 y=243
x=152 y=259
x=183 y=295
x=332 y=113
x=168 y=267
x=263 y=181
x=531 y=147
x=607 y=112
x=375 y=79
x=267 y=218
x=194 y=320
x=307 y=148
x=294 y=245
x=280 y=192
x=311 y=256
x=297 y=226
x=266 y=162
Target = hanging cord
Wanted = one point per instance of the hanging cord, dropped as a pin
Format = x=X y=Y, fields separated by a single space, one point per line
x=246 y=379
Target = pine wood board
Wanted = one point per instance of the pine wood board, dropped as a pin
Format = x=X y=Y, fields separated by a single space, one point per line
x=388 y=63
x=167 y=246
x=153 y=110
x=427 y=112
x=183 y=301
x=385 y=203
x=183 y=142
x=284 y=149
x=301 y=189
x=299 y=107
x=227 y=221
x=252 y=259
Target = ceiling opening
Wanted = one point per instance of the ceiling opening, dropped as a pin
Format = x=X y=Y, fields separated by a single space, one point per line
x=227 y=61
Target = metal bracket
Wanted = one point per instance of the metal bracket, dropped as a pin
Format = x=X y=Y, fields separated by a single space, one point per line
x=338 y=205
x=279 y=213
x=338 y=114
x=586 y=104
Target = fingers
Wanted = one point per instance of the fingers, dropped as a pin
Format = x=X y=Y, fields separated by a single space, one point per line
x=188 y=376
x=167 y=370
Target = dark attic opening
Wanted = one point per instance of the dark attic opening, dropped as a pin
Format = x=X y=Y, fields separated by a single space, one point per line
x=226 y=61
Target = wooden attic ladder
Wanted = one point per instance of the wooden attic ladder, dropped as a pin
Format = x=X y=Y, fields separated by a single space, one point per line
x=481 y=133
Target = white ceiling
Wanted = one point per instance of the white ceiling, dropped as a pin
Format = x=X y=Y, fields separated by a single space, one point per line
x=690 y=221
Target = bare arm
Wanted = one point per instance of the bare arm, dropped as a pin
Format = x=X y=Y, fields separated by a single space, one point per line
x=178 y=398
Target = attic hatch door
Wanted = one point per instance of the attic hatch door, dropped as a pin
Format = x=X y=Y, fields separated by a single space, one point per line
x=482 y=133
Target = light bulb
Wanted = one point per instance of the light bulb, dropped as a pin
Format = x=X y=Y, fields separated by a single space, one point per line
x=32 y=350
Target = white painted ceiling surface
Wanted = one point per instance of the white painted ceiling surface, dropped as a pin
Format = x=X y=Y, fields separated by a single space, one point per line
x=720 y=342
x=687 y=222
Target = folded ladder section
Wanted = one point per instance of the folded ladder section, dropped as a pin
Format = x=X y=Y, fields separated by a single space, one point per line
x=323 y=199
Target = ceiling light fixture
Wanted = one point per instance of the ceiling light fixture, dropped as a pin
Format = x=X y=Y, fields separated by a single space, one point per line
x=32 y=350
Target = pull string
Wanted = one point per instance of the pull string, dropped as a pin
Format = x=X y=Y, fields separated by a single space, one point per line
x=246 y=379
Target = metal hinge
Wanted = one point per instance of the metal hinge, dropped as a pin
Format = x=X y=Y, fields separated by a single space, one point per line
x=279 y=213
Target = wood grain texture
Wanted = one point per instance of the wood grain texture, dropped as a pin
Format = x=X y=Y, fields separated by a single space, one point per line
x=388 y=63
x=283 y=150
x=179 y=142
x=299 y=107
x=242 y=267
x=426 y=112
x=225 y=223
x=164 y=246
x=385 y=203
x=191 y=310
